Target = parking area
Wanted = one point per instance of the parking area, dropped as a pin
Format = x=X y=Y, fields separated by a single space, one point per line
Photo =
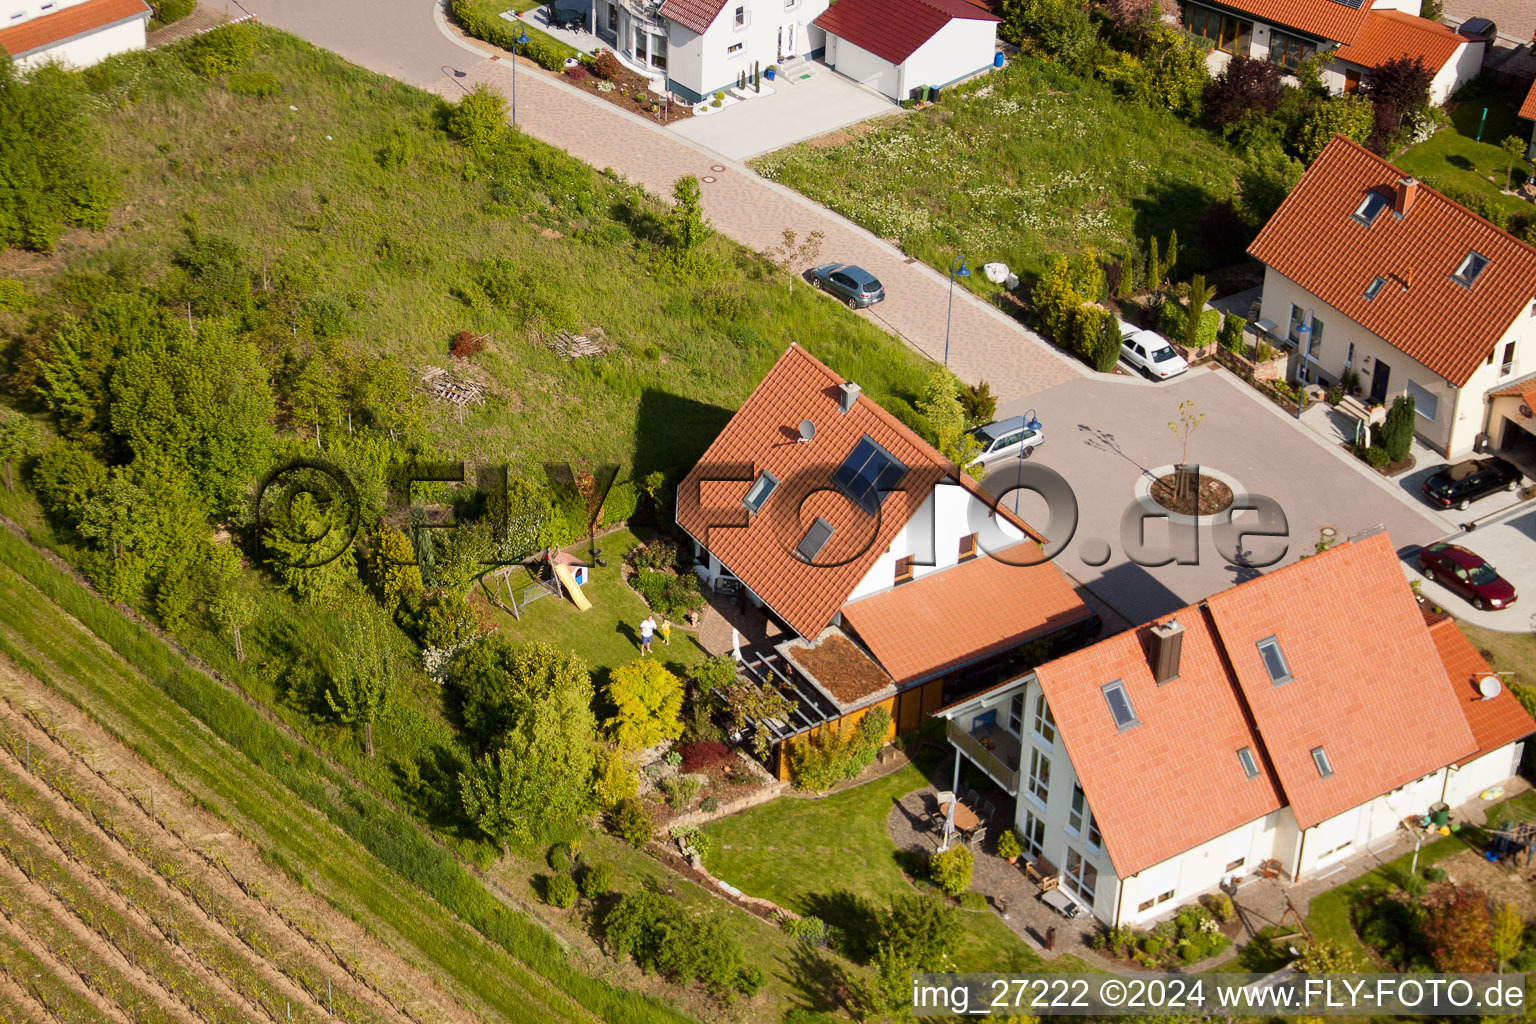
x=808 y=100
x=1508 y=543
x=1108 y=436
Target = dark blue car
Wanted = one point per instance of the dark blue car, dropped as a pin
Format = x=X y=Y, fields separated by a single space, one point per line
x=855 y=286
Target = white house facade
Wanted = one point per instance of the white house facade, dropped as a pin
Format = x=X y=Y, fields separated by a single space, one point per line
x=899 y=47
x=73 y=33
x=1166 y=763
x=1368 y=272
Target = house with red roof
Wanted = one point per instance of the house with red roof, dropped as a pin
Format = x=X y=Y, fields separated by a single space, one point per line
x=1355 y=37
x=884 y=575
x=902 y=46
x=1274 y=729
x=74 y=33
x=1369 y=273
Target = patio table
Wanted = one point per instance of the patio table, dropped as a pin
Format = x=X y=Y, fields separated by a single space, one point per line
x=1060 y=902
x=965 y=818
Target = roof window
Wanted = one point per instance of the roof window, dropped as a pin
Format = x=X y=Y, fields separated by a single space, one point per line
x=1374 y=288
x=815 y=539
x=1471 y=267
x=1120 y=704
x=868 y=472
x=1274 y=661
x=1320 y=758
x=758 y=493
x=1370 y=207
x=1250 y=766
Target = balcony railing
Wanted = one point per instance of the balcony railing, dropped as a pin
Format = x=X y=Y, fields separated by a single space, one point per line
x=990 y=761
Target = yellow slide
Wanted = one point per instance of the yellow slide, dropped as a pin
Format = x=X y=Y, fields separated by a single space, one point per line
x=568 y=581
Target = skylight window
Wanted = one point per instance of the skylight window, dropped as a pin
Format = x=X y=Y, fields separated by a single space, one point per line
x=1274 y=661
x=758 y=493
x=815 y=539
x=1250 y=766
x=1474 y=264
x=1320 y=758
x=1374 y=288
x=1120 y=704
x=868 y=472
x=1370 y=208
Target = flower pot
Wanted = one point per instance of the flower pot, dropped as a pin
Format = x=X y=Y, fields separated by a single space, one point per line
x=769 y=74
x=1011 y=860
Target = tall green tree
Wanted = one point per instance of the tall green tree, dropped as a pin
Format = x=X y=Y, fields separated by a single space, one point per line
x=363 y=680
x=685 y=225
x=648 y=704
x=18 y=440
x=1397 y=428
x=494 y=790
x=235 y=609
x=1514 y=148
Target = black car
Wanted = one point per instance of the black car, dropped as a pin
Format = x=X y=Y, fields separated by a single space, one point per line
x=854 y=285
x=1465 y=482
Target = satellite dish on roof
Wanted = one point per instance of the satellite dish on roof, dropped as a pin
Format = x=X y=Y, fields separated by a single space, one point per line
x=807 y=430
x=1489 y=687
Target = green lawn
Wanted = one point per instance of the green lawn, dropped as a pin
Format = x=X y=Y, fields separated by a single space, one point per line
x=1453 y=156
x=1044 y=162
x=827 y=857
x=609 y=634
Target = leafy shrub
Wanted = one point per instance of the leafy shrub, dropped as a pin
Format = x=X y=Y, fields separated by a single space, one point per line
x=1265 y=351
x=1459 y=930
x=631 y=823
x=682 y=789
x=436 y=618
x=479 y=120
x=1230 y=336
x=810 y=930
x=1009 y=845
x=1397 y=429
x=253 y=83
x=828 y=755
x=220 y=51
x=167 y=11
x=710 y=804
x=702 y=755
x=607 y=66
x=560 y=857
x=971 y=900
x=577 y=73
x=619 y=504
x=14 y=296
x=951 y=869
x=499 y=32
x=1246 y=85
x=544 y=51
x=692 y=841
x=1350 y=116
x=672 y=758
x=979 y=403
x=614 y=779
x=1434 y=874
x=560 y=891
x=1173 y=317
x=1220 y=905
x=663 y=936
x=657 y=555
x=596 y=880
x=672 y=596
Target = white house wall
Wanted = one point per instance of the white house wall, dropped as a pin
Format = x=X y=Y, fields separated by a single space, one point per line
x=1459 y=413
x=703 y=64
x=1492 y=769
x=1463 y=66
x=950 y=513
x=866 y=68
x=90 y=49
x=1204 y=868
x=958 y=50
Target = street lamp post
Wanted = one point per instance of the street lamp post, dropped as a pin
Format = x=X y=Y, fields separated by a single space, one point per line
x=953 y=273
x=522 y=37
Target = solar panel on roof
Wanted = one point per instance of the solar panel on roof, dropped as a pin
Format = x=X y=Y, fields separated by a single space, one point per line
x=1353 y=5
x=868 y=472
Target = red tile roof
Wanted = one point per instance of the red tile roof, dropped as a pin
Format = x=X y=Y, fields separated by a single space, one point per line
x=963 y=613
x=1174 y=780
x=1368 y=685
x=1315 y=241
x=762 y=436
x=894 y=29
x=1388 y=35
x=697 y=15
x=1524 y=389
x=1528 y=108
x=1494 y=722
x=1326 y=19
x=69 y=22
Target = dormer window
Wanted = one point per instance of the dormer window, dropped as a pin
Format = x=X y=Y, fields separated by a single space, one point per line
x=1471 y=267
x=1274 y=661
x=1320 y=758
x=1370 y=208
x=1374 y=288
x=758 y=493
x=1246 y=759
x=1120 y=705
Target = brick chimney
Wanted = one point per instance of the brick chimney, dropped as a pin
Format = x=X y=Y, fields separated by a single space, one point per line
x=1402 y=199
x=1167 y=645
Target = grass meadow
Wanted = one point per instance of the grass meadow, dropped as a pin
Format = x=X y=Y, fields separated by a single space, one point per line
x=1014 y=167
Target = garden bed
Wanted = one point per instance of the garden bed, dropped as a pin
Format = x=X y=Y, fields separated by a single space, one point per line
x=1386 y=469
x=1212 y=496
x=652 y=571
x=622 y=87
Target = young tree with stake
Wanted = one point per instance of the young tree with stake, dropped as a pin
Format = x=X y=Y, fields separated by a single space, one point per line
x=360 y=688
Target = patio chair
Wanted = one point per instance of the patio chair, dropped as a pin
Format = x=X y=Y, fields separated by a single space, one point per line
x=988 y=812
x=946 y=797
x=975 y=839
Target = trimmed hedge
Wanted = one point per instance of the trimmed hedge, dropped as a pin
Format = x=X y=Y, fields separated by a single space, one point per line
x=1171 y=318
x=544 y=50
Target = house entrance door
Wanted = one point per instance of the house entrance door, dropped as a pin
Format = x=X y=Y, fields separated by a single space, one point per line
x=786 y=42
x=1379 y=381
x=1351 y=82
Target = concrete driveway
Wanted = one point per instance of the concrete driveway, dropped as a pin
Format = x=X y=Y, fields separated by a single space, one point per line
x=1105 y=435
x=1507 y=542
x=810 y=100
